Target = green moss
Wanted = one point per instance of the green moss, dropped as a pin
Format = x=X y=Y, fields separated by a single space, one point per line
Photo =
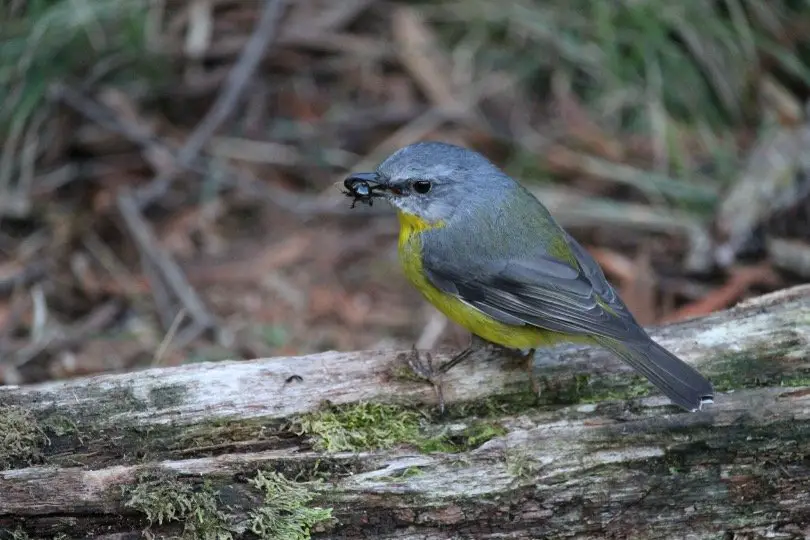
x=362 y=426
x=471 y=436
x=169 y=395
x=372 y=426
x=59 y=425
x=21 y=437
x=196 y=508
x=199 y=510
x=284 y=514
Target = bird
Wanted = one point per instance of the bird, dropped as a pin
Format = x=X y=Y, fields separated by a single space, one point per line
x=491 y=257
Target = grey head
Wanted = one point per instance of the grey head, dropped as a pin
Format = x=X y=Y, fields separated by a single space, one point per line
x=433 y=180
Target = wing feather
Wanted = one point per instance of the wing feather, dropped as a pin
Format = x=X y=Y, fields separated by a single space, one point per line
x=538 y=291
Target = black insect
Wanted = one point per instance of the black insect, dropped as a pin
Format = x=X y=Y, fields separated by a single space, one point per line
x=360 y=190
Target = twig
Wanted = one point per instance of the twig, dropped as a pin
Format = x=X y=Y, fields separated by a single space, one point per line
x=108 y=118
x=164 y=305
x=104 y=116
x=53 y=179
x=167 y=340
x=19 y=302
x=24 y=278
x=765 y=186
x=8 y=203
x=226 y=101
x=336 y=17
x=28 y=156
x=236 y=148
x=722 y=297
x=145 y=239
x=565 y=160
x=95 y=321
x=427 y=63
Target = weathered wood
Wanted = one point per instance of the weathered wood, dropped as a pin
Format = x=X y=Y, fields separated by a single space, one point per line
x=599 y=455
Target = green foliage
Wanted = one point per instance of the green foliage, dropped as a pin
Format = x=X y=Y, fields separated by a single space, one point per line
x=284 y=514
x=631 y=59
x=43 y=42
x=670 y=71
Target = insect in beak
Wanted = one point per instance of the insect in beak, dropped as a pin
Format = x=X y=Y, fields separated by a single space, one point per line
x=363 y=188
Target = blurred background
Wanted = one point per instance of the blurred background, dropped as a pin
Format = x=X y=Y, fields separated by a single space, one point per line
x=167 y=167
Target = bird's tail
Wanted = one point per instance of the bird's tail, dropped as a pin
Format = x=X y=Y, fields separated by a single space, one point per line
x=678 y=380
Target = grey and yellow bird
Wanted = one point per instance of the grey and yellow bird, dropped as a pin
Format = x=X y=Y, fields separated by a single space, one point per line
x=490 y=256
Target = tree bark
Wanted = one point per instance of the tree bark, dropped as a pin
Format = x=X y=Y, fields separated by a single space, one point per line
x=217 y=450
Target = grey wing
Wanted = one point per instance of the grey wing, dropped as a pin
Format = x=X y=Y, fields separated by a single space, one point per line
x=571 y=298
x=539 y=291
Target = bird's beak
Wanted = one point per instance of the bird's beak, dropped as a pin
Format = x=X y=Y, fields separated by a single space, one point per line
x=371 y=178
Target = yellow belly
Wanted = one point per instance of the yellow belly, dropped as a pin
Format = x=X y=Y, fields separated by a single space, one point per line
x=477 y=322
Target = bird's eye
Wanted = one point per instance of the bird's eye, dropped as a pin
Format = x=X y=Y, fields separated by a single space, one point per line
x=422 y=186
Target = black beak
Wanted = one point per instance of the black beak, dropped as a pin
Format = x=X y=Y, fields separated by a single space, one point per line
x=370 y=178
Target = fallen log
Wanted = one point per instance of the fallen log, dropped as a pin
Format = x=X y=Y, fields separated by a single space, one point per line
x=350 y=445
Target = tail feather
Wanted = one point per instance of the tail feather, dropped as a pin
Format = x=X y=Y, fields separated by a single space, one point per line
x=678 y=380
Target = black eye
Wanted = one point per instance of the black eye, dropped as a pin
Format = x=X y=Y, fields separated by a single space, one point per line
x=422 y=186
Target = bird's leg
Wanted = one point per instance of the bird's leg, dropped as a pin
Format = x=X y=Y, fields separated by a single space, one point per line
x=528 y=359
x=433 y=375
x=424 y=369
x=476 y=344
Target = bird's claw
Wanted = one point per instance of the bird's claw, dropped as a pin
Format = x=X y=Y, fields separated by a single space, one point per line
x=425 y=370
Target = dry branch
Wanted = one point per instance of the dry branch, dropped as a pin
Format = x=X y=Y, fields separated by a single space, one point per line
x=599 y=455
x=227 y=100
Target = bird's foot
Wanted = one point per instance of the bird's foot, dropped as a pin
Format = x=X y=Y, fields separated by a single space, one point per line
x=424 y=369
x=427 y=371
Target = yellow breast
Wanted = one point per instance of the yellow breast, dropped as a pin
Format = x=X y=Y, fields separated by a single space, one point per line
x=475 y=321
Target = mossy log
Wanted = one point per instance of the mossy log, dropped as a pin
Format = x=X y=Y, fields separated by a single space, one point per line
x=349 y=445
